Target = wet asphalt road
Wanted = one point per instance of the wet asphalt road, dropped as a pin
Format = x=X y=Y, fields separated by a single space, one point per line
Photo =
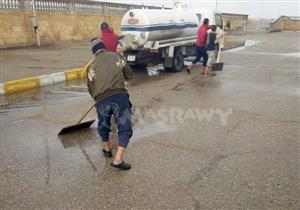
x=45 y=60
x=186 y=154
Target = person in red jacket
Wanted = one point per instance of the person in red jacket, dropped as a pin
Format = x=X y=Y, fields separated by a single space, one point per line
x=201 y=45
x=109 y=38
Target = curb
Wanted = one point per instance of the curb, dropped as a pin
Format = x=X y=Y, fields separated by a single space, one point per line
x=44 y=80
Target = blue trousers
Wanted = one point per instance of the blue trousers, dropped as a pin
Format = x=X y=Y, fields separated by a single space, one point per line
x=201 y=52
x=118 y=106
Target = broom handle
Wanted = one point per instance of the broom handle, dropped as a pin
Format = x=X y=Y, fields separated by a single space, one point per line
x=88 y=63
x=219 y=54
x=85 y=114
x=219 y=51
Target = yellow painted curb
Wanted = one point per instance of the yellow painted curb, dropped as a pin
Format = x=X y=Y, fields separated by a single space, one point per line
x=75 y=74
x=44 y=80
x=79 y=73
x=22 y=84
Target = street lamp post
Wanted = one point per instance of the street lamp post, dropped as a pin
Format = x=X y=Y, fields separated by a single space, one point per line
x=34 y=21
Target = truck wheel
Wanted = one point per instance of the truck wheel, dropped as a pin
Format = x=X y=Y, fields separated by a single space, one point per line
x=178 y=62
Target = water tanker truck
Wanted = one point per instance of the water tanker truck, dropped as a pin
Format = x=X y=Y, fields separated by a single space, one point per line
x=167 y=36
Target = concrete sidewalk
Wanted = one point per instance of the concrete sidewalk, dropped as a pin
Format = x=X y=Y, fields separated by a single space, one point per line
x=30 y=62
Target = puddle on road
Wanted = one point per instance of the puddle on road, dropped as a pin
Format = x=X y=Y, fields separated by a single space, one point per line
x=35 y=67
x=85 y=137
x=51 y=95
x=151 y=130
x=248 y=43
x=293 y=54
x=89 y=137
x=58 y=93
x=34 y=59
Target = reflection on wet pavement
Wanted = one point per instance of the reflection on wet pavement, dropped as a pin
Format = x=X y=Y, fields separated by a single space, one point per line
x=152 y=129
x=44 y=96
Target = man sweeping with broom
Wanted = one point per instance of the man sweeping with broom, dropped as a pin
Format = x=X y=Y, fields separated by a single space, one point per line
x=106 y=77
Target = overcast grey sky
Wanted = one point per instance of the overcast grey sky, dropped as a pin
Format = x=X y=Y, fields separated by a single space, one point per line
x=255 y=8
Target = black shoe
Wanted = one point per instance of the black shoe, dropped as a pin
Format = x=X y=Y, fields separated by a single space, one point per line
x=188 y=70
x=121 y=166
x=107 y=153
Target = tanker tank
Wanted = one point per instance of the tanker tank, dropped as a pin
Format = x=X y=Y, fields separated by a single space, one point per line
x=143 y=25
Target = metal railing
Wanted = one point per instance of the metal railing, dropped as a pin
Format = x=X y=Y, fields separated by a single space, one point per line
x=67 y=5
x=50 y=5
x=10 y=4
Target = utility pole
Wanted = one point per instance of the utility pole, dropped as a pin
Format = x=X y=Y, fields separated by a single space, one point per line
x=35 y=24
x=216 y=4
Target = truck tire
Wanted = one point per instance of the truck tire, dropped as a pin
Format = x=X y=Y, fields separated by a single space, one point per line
x=178 y=62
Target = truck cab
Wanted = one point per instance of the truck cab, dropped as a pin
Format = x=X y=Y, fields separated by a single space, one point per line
x=215 y=18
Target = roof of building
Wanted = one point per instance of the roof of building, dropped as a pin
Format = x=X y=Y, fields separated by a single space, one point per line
x=292 y=18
